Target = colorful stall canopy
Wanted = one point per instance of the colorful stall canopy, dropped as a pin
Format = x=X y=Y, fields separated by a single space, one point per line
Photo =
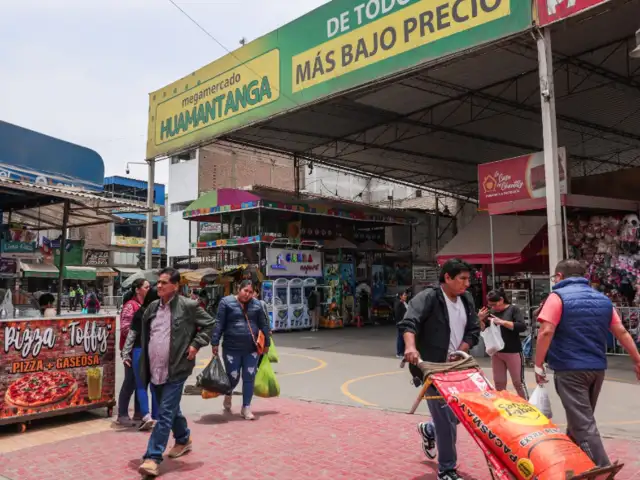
x=209 y=207
x=195 y=277
x=39 y=270
x=85 y=274
x=516 y=238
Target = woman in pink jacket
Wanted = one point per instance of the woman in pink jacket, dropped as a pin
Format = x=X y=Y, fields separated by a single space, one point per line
x=133 y=300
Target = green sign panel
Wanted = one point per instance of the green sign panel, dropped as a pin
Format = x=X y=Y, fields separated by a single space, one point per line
x=339 y=46
x=9 y=246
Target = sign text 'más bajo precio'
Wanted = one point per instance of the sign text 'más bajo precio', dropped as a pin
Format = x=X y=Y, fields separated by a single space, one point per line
x=416 y=25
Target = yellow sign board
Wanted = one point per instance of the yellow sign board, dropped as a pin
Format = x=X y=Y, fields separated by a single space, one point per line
x=421 y=23
x=122 y=241
x=209 y=97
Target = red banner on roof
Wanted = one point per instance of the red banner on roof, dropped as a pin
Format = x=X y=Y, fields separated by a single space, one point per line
x=550 y=11
x=519 y=178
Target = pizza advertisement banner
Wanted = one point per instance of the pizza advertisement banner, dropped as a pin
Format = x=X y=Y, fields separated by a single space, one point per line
x=56 y=364
x=519 y=178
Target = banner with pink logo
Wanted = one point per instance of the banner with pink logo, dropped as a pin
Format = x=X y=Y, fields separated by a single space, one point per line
x=518 y=178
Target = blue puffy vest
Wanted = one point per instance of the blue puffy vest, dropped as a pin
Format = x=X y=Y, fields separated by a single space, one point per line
x=580 y=340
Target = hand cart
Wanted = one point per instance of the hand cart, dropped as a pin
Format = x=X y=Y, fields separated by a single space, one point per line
x=452 y=381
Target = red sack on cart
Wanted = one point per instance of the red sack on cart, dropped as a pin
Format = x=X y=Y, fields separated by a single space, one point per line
x=528 y=443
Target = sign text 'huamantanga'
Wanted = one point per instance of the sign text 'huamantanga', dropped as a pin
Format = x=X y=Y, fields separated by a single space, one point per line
x=247 y=86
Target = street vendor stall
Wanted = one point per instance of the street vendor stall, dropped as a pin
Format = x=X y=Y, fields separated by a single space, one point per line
x=65 y=363
x=287 y=235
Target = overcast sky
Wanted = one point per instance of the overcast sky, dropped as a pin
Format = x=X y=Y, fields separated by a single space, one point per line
x=81 y=70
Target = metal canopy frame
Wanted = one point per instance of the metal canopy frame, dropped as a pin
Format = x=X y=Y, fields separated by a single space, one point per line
x=431 y=128
x=42 y=207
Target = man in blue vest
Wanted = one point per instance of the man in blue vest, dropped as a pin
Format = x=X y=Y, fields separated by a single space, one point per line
x=574 y=325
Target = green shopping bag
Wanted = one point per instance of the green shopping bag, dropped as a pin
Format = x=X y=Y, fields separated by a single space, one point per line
x=273 y=353
x=266 y=383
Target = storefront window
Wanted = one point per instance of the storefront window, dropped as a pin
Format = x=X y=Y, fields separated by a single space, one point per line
x=125 y=258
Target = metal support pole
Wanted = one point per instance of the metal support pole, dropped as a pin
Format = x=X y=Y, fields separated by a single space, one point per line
x=148 y=247
x=437 y=225
x=296 y=175
x=550 y=140
x=189 y=261
x=493 y=258
x=63 y=244
x=566 y=236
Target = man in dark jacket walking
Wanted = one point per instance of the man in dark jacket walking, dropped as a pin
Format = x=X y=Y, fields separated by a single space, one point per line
x=438 y=322
x=575 y=322
x=173 y=329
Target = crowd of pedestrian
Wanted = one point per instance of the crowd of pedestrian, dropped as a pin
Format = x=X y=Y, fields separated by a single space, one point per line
x=161 y=333
x=575 y=322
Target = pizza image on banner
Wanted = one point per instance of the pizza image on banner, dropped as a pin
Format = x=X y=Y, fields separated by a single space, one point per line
x=41 y=389
x=56 y=365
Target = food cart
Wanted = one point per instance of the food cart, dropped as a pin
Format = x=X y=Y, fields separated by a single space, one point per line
x=54 y=366
x=65 y=363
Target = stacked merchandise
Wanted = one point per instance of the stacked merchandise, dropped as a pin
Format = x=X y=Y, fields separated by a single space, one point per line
x=610 y=245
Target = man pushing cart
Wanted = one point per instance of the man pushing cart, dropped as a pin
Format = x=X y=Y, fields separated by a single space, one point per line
x=519 y=442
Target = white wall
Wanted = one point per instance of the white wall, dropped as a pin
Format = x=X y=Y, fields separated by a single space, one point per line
x=183 y=188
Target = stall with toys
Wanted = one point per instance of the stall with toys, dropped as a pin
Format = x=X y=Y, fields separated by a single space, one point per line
x=300 y=243
x=603 y=233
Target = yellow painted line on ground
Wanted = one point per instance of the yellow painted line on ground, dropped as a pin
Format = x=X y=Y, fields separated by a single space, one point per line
x=344 y=388
x=321 y=364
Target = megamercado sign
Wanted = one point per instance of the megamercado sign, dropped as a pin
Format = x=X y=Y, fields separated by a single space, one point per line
x=294 y=263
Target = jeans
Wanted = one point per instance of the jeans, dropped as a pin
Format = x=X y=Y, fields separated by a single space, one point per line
x=127 y=390
x=446 y=425
x=579 y=391
x=399 y=344
x=170 y=419
x=141 y=389
x=241 y=364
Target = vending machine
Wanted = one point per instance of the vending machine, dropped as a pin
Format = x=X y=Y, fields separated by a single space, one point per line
x=267 y=296
x=310 y=285
x=281 y=305
x=297 y=306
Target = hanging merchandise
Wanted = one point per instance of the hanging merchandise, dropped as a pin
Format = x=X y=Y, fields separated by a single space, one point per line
x=611 y=247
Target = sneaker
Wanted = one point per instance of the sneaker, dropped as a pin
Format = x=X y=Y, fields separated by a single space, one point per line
x=449 y=475
x=246 y=413
x=179 y=450
x=428 y=433
x=149 y=468
x=125 y=422
x=147 y=424
x=399 y=356
x=227 y=403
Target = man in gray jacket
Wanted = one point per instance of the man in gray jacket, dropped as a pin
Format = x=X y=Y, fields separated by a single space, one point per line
x=173 y=329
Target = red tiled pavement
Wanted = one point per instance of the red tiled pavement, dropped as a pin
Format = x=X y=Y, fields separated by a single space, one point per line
x=291 y=440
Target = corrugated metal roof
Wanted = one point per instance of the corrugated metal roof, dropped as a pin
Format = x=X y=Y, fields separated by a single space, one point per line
x=42 y=206
x=431 y=129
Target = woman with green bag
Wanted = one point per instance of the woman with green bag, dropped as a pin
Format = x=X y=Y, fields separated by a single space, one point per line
x=244 y=333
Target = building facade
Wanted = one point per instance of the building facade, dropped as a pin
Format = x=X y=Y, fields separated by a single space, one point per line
x=223 y=165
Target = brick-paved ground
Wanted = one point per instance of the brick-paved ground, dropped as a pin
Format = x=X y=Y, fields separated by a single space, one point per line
x=291 y=440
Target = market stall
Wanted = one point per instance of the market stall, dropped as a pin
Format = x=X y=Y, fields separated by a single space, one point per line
x=65 y=363
x=604 y=233
x=296 y=241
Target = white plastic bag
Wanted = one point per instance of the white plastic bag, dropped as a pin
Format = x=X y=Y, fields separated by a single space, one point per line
x=540 y=399
x=492 y=337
